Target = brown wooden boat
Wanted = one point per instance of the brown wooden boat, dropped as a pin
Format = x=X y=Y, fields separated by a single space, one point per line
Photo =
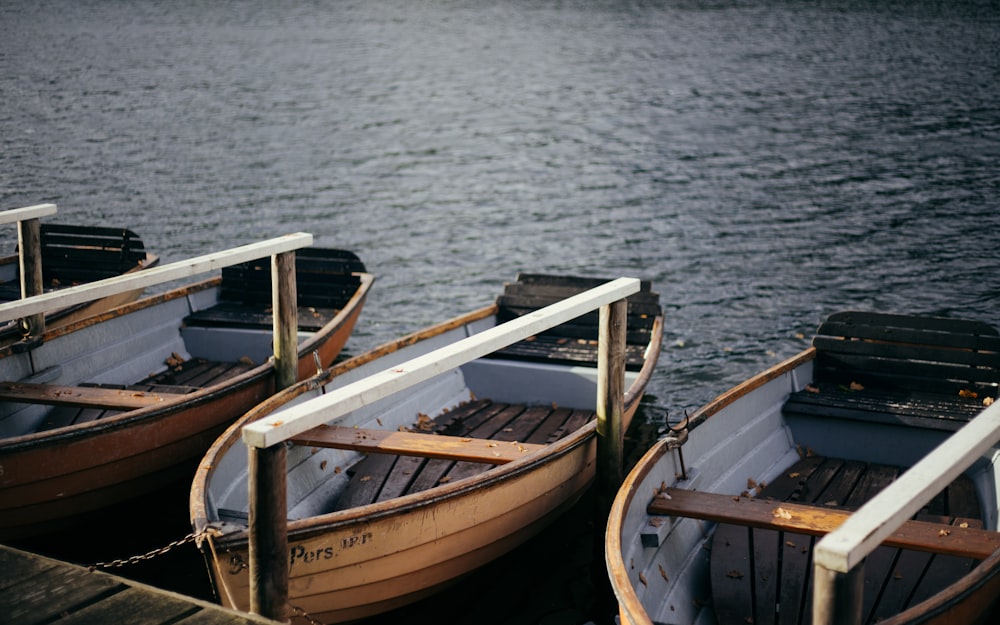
x=717 y=522
x=410 y=492
x=74 y=255
x=124 y=402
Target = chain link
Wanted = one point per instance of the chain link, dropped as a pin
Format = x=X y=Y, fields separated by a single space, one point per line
x=192 y=537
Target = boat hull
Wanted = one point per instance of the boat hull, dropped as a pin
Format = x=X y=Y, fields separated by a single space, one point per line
x=51 y=479
x=368 y=559
x=659 y=570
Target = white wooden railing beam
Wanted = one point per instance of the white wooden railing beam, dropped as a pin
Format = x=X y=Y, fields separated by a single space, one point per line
x=152 y=276
x=845 y=548
x=339 y=402
x=28 y=212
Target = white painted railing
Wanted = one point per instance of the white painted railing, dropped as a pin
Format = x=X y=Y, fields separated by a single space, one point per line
x=29 y=212
x=339 y=402
x=841 y=552
x=149 y=277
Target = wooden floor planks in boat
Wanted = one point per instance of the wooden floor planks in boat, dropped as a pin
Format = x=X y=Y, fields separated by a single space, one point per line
x=383 y=476
x=764 y=576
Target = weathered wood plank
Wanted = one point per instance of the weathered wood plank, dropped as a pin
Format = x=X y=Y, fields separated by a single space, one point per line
x=817 y=521
x=414 y=444
x=88 y=396
x=150 y=277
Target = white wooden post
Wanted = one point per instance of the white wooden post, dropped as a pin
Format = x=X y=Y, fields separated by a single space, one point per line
x=29 y=245
x=835 y=557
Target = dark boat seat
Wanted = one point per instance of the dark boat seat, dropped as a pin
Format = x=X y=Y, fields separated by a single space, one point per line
x=928 y=371
x=576 y=340
x=325 y=278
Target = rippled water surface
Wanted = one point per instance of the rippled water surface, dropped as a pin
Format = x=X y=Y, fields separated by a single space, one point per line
x=764 y=163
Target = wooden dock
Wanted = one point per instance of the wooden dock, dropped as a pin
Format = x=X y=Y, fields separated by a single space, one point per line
x=35 y=589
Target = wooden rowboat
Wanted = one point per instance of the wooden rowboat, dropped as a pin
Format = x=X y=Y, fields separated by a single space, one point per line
x=410 y=492
x=73 y=255
x=717 y=522
x=120 y=404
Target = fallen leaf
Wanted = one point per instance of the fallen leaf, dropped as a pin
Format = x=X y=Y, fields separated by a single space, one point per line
x=812 y=389
x=944 y=533
x=987 y=401
x=663 y=573
x=735 y=574
x=968 y=394
x=642 y=578
x=856 y=387
x=781 y=513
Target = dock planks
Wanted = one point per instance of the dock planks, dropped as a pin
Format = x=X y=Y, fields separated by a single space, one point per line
x=35 y=590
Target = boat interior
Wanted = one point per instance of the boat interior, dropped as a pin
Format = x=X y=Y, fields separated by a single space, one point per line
x=883 y=391
x=529 y=394
x=202 y=339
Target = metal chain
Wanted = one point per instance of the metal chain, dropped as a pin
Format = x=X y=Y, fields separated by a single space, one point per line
x=148 y=555
x=192 y=537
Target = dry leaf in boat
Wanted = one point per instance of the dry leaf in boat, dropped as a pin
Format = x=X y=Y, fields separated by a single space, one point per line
x=966 y=393
x=812 y=389
x=790 y=543
x=856 y=387
x=642 y=578
x=794 y=475
x=944 y=533
x=987 y=401
x=656 y=521
x=337 y=470
x=424 y=422
x=781 y=513
x=963 y=525
x=751 y=483
x=365 y=478
x=444 y=480
x=735 y=574
x=322 y=466
x=663 y=573
x=246 y=360
x=377 y=420
x=174 y=360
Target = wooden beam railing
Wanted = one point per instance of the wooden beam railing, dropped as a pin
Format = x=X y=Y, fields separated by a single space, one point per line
x=268 y=527
x=29 y=240
x=838 y=557
x=152 y=276
x=282 y=252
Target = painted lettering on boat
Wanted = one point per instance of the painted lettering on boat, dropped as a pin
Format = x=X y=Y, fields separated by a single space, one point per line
x=300 y=554
x=354 y=541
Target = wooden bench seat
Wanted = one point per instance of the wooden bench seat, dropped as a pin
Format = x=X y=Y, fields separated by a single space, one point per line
x=458 y=448
x=926 y=371
x=761 y=551
x=83 y=396
x=576 y=340
x=811 y=520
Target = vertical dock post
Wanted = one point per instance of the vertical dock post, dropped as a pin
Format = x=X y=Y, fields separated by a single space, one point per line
x=29 y=242
x=268 y=528
x=268 y=523
x=284 y=293
x=611 y=400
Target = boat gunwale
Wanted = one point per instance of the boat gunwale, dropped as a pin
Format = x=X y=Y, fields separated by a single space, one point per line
x=128 y=418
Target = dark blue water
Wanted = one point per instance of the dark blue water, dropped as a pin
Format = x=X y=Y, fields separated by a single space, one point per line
x=765 y=163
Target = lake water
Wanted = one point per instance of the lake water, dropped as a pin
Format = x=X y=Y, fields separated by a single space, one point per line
x=765 y=163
